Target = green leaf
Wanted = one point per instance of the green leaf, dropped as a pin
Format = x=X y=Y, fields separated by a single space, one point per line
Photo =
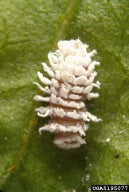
x=28 y=31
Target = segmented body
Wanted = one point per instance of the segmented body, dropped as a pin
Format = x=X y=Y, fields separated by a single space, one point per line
x=72 y=80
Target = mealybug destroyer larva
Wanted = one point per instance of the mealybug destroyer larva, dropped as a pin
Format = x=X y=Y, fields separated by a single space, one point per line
x=72 y=80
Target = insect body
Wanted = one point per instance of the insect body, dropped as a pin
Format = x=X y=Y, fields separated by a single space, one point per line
x=72 y=80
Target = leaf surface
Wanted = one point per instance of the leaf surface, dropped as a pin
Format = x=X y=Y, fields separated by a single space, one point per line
x=28 y=31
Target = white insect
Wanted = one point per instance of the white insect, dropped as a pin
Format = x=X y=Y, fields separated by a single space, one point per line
x=72 y=80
